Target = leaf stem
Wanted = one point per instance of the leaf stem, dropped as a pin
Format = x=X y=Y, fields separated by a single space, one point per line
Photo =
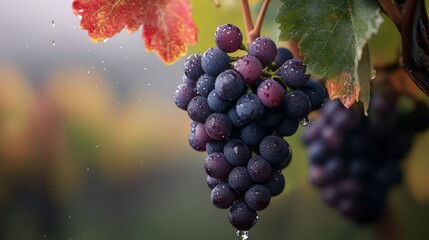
x=256 y=31
x=248 y=23
x=253 y=31
x=392 y=11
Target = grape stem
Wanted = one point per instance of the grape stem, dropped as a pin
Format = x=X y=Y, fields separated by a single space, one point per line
x=391 y=10
x=253 y=31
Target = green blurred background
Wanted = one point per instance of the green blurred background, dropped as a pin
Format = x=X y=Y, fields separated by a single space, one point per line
x=93 y=147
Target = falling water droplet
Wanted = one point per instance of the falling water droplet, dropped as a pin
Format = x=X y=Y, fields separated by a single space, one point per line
x=305 y=122
x=53 y=23
x=243 y=235
x=53 y=43
x=373 y=73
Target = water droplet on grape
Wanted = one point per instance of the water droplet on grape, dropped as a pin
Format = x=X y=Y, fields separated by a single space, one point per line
x=305 y=122
x=243 y=235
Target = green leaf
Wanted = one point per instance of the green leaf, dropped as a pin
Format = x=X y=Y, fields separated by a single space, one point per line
x=331 y=33
x=331 y=36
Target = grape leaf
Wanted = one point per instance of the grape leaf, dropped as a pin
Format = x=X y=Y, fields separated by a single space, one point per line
x=168 y=27
x=331 y=36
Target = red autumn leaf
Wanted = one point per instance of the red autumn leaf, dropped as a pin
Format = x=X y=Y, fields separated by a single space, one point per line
x=343 y=88
x=168 y=27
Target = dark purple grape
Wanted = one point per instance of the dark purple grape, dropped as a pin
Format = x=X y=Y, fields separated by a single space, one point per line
x=271 y=93
x=187 y=81
x=198 y=109
x=214 y=61
x=233 y=116
x=293 y=73
x=276 y=183
x=192 y=67
x=297 y=104
x=249 y=68
x=316 y=93
x=318 y=152
x=236 y=152
x=273 y=117
x=275 y=150
x=249 y=108
x=218 y=126
x=264 y=49
x=217 y=104
x=212 y=182
x=229 y=85
x=228 y=38
x=183 y=95
x=258 y=197
x=259 y=169
x=205 y=84
x=335 y=168
x=223 y=196
x=201 y=134
x=332 y=137
x=239 y=179
x=241 y=216
x=317 y=176
x=287 y=127
x=216 y=165
x=215 y=146
x=283 y=54
x=388 y=175
x=253 y=134
x=195 y=143
x=331 y=195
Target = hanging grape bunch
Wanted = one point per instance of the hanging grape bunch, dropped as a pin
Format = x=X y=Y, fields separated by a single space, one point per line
x=241 y=108
x=355 y=160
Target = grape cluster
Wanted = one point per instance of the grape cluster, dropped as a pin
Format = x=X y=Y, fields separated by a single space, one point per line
x=355 y=159
x=241 y=108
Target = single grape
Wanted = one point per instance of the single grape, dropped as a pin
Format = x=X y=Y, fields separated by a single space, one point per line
x=259 y=169
x=223 y=196
x=205 y=84
x=287 y=127
x=276 y=183
x=316 y=93
x=229 y=85
x=214 y=61
x=217 y=104
x=212 y=182
x=273 y=117
x=249 y=108
x=275 y=150
x=253 y=134
x=317 y=175
x=215 y=146
x=271 y=93
x=297 y=104
x=237 y=153
x=216 y=165
x=218 y=126
x=201 y=134
x=249 y=68
x=192 y=67
x=239 y=179
x=187 y=81
x=183 y=95
x=195 y=143
x=233 y=116
x=258 y=197
x=228 y=38
x=331 y=195
x=198 y=109
x=264 y=49
x=293 y=73
x=283 y=54
x=241 y=216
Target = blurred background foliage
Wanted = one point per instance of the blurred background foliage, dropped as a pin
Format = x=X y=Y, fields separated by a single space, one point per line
x=93 y=147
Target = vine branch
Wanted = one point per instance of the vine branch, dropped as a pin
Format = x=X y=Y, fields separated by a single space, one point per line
x=253 y=31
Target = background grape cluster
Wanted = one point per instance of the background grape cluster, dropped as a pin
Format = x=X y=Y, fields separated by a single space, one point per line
x=354 y=159
x=241 y=108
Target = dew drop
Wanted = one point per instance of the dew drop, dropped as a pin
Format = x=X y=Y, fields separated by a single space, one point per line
x=305 y=122
x=373 y=73
x=53 y=23
x=53 y=43
x=243 y=235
